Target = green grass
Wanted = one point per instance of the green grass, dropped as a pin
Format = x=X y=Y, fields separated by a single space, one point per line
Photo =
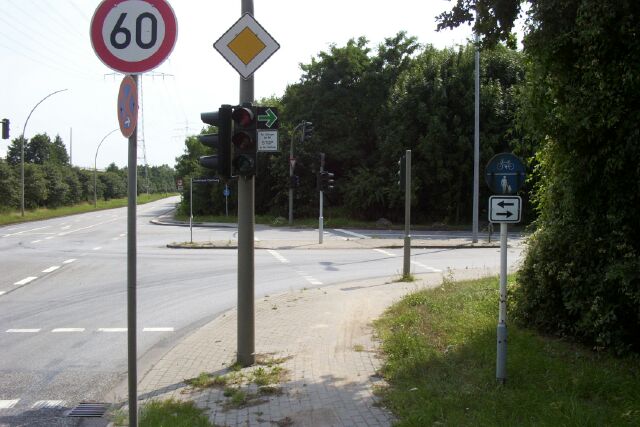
x=44 y=213
x=440 y=357
x=173 y=413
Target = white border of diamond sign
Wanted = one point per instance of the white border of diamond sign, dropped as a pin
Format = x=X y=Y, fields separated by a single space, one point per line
x=222 y=45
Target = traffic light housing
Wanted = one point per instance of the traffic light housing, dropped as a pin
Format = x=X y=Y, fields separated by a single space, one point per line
x=402 y=168
x=244 y=140
x=5 y=128
x=325 y=181
x=221 y=141
x=307 y=131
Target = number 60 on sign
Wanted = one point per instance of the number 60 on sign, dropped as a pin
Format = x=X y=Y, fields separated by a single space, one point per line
x=133 y=36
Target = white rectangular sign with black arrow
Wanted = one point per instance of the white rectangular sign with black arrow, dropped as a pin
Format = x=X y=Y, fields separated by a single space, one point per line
x=505 y=209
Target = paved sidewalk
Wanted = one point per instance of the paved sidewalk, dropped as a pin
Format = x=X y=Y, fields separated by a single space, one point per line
x=322 y=338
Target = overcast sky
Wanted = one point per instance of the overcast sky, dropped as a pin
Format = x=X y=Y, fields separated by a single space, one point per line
x=45 y=46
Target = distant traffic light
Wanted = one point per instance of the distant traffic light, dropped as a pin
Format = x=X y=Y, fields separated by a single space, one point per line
x=5 y=128
x=244 y=140
x=221 y=141
x=307 y=131
x=294 y=181
x=325 y=181
x=402 y=167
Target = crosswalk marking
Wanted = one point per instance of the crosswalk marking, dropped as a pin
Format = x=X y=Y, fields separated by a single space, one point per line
x=277 y=256
x=49 y=404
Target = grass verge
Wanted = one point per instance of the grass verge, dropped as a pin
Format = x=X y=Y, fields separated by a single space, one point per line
x=440 y=357
x=173 y=413
x=44 y=213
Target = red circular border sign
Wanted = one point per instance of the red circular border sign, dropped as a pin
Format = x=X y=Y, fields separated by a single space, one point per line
x=117 y=64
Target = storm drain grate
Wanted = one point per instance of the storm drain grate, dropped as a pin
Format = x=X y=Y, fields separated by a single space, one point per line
x=85 y=409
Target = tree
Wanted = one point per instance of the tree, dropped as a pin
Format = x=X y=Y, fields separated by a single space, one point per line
x=581 y=274
x=38 y=150
x=9 y=196
x=58 y=152
x=35 y=186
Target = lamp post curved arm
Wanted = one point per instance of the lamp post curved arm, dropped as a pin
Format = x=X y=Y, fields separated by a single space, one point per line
x=24 y=128
x=95 y=170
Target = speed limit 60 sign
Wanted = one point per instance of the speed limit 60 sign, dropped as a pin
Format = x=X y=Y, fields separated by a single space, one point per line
x=133 y=36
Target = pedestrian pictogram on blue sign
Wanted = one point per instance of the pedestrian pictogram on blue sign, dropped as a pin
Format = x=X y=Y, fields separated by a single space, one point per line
x=505 y=174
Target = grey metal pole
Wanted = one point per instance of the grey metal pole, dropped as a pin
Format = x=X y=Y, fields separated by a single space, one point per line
x=501 y=361
x=246 y=223
x=406 y=268
x=191 y=209
x=132 y=275
x=320 y=217
x=24 y=128
x=476 y=144
x=293 y=132
x=95 y=170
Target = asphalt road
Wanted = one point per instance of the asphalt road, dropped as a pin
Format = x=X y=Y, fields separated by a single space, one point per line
x=63 y=298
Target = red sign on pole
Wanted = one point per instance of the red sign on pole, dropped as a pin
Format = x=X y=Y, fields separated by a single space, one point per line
x=133 y=37
x=128 y=106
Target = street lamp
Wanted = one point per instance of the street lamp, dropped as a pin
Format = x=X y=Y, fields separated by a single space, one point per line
x=22 y=148
x=95 y=170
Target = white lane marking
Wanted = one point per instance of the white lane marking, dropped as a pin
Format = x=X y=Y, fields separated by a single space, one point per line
x=115 y=238
x=36 y=241
x=97 y=248
x=69 y=261
x=25 y=231
x=309 y=278
x=112 y=329
x=2 y=293
x=277 y=256
x=59 y=330
x=50 y=269
x=426 y=267
x=123 y=234
x=382 y=251
x=84 y=228
x=351 y=233
x=22 y=331
x=49 y=237
x=161 y=329
x=6 y=404
x=26 y=280
x=49 y=404
x=66 y=227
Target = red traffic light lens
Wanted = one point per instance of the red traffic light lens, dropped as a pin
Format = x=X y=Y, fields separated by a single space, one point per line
x=243 y=141
x=243 y=116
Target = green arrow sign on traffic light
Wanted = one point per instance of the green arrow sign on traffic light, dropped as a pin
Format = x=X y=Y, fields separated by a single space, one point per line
x=269 y=117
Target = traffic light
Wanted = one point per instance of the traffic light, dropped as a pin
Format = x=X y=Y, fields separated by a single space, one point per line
x=5 y=128
x=244 y=140
x=221 y=141
x=294 y=181
x=307 y=131
x=325 y=181
x=402 y=167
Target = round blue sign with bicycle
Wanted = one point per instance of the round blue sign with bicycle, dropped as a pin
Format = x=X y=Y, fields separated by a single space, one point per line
x=505 y=174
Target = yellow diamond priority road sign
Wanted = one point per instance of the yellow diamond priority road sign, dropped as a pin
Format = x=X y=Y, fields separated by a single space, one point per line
x=246 y=45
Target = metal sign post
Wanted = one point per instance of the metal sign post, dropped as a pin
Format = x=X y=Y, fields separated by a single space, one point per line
x=191 y=209
x=406 y=269
x=320 y=217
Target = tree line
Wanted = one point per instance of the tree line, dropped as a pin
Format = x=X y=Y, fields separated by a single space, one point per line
x=50 y=181
x=367 y=107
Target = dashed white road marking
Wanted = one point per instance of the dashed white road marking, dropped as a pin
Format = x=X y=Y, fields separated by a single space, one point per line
x=426 y=267
x=123 y=234
x=115 y=238
x=66 y=227
x=26 y=231
x=84 y=228
x=49 y=404
x=23 y=331
x=61 y=330
x=351 y=233
x=277 y=256
x=69 y=261
x=382 y=251
x=51 y=269
x=49 y=237
x=309 y=278
x=25 y=280
x=36 y=241
x=7 y=404
x=112 y=329
x=97 y=248
x=2 y=293
x=162 y=329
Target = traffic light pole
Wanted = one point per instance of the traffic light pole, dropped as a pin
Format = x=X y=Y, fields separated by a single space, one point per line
x=246 y=222
x=320 y=217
